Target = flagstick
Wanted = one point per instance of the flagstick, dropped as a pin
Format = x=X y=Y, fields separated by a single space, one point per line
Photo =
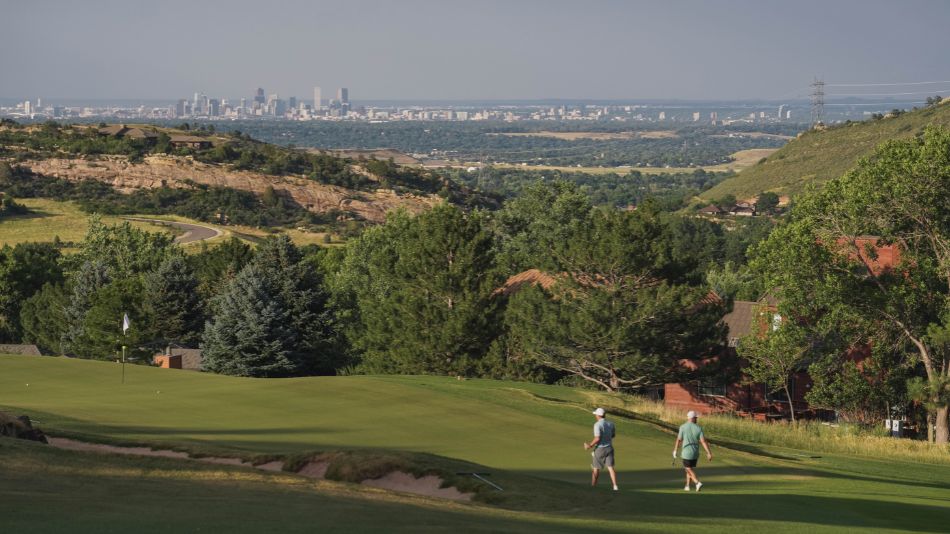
x=125 y=334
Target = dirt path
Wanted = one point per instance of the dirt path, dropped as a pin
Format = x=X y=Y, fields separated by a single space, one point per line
x=193 y=232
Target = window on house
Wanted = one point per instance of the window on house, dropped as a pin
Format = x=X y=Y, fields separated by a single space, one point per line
x=779 y=396
x=712 y=388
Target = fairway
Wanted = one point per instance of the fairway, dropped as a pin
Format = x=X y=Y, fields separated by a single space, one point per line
x=51 y=218
x=529 y=436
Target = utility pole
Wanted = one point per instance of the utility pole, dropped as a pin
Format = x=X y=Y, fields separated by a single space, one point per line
x=817 y=101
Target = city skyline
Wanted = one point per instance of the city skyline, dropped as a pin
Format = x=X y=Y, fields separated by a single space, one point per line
x=427 y=50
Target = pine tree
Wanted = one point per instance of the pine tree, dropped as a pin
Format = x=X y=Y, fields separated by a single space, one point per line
x=252 y=333
x=431 y=308
x=619 y=315
x=301 y=289
x=24 y=269
x=43 y=318
x=172 y=306
x=91 y=277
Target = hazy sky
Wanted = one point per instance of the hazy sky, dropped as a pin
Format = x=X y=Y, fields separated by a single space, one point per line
x=458 y=49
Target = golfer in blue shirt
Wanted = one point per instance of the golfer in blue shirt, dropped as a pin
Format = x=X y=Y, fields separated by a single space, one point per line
x=603 y=455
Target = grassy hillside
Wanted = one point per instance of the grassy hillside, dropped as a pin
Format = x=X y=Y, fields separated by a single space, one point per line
x=816 y=157
x=529 y=436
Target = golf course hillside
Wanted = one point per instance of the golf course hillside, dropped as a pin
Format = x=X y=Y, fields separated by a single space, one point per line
x=527 y=436
x=817 y=156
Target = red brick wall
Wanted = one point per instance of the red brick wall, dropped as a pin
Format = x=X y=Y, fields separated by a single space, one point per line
x=167 y=362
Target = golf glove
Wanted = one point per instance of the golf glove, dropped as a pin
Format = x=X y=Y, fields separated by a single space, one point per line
x=674 y=454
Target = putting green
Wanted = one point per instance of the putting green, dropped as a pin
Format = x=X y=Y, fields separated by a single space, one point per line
x=528 y=435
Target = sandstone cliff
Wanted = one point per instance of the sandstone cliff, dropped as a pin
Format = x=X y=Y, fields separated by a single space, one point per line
x=177 y=172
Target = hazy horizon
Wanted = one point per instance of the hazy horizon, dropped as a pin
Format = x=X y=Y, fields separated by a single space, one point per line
x=426 y=51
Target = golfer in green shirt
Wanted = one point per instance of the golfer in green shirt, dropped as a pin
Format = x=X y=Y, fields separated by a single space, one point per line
x=691 y=437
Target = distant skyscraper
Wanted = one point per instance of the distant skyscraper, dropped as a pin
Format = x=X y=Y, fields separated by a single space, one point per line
x=317 y=99
x=695 y=116
x=781 y=112
x=243 y=105
x=27 y=108
x=259 y=97
x=662 y=116
x=343 y=95
x=214 y=107
x=272 y=103
x=180 y=107
x=292 y=102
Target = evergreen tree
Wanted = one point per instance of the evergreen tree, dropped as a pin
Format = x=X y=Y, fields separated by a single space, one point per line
x=530 y=225
x=620 y=314
x=252 y=333
x=172 y=307
x=24 y=269
x=303 y=291
x=430 y=307
x=43 y=318
x=102 y=337
x=90 y=278
x=216 y=267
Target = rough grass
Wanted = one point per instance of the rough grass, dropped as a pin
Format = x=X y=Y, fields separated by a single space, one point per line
x=816 y=157
x=810 y=436
x=528 y=436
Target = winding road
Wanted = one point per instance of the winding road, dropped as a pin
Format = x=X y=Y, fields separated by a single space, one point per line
x=193 y=232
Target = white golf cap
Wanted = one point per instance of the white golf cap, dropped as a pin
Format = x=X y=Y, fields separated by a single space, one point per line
x=599 y=411
x=691 y=414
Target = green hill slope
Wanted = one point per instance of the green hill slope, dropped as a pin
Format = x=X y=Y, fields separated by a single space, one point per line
x=815 y=157
x=529 y=436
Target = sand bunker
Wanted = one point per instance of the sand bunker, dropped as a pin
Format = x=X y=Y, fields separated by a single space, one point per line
x=315 y=469
x=429 y=486
x=73 y=445
x=275 y=466
x=224 y=461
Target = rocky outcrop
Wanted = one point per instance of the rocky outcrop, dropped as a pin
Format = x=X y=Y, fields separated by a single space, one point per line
x=20 y=427
x=179 y=172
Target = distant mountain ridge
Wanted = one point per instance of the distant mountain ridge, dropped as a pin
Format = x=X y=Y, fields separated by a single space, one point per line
x=817 y=156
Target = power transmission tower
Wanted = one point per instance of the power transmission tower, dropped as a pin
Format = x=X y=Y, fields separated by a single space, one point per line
x=817 y=101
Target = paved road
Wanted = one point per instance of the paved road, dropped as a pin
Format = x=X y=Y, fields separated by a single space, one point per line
x=193 y=232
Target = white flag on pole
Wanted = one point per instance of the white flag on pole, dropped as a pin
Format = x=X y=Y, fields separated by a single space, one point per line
x=125 y=322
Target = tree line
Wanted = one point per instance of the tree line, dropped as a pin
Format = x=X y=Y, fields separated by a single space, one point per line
x=419 y=294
